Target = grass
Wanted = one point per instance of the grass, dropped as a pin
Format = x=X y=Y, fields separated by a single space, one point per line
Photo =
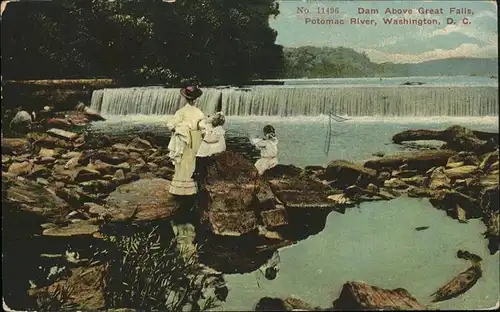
x=146 y=275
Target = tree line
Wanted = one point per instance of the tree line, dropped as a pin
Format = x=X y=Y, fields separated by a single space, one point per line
x=141 y=42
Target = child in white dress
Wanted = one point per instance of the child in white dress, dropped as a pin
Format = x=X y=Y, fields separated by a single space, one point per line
x=268 y=149
x=213 y=142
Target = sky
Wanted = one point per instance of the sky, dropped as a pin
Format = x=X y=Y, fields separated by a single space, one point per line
x=392 y=43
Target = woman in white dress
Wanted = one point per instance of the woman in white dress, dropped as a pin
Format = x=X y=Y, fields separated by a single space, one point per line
x=187 y=124
x=268 y=147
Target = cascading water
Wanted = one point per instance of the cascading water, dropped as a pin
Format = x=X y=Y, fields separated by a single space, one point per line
x=308 y=101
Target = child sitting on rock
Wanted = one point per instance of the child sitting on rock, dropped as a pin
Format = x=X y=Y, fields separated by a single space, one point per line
x=268 y=147
x=213 y=143
x=213 y=139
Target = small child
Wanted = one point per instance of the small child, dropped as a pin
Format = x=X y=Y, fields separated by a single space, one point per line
x=213 y=143
x=268 y=150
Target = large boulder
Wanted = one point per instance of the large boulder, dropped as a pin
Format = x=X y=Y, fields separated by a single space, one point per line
x=33 y=198
x=232 y=183
x=344 y=173
x=361 y=296
x=142 y=200
x=21 y=122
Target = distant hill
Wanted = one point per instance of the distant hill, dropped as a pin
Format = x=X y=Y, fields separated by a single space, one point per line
x=455 y=67
x=315 y=62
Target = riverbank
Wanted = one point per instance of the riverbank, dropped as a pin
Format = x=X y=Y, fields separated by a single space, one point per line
x=76 y=190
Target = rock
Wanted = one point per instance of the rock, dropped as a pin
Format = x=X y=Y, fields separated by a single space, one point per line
x=346 y=173
x=15 y=146
x=120 y=147
x=139 y=144
x=282 y=171
x=379 y=154
x=372 y=188
x=97 y=186
x=42 y=181
x=272 y=304
x=461 y=172
x=420 y=160
x=72 y=163
x=21 y=122
x=456 y=137
x=45 y=152
x=383 y=175
x=125 y=166
x=232 y=223
x=86 y=284
x=119 y=175
x=361 y=296
x=32 y=197
x=274 y=218
x=488 y=160
x=40 y=171
x=102 y=167
x=70 y=155
x=439 y=180
x=461 y=215
x=46 y=160
x=143 y=200
x=289 y=304
x=459 y=284
x=404 y=173
x=340 y=199
x=263 y=231
x=454 y=164
x=87 y=174
x=65 y=135
x=95 y=209
x=72 y=229
x=416 y=180
x=22 y=169
x=301 y=192
x=395 y=184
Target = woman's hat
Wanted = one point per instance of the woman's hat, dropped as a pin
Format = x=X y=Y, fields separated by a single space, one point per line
x=191 y=92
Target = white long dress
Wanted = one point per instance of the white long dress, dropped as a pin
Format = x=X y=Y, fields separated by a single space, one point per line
x=190 y=116
x=268 y=153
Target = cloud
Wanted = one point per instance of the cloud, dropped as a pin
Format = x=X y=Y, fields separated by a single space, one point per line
x=464 y=50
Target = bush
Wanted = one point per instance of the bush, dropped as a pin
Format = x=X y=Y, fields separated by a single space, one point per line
x=145 y=275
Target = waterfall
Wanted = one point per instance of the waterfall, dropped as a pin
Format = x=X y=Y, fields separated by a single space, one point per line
x=308 y=101
x=148 y=101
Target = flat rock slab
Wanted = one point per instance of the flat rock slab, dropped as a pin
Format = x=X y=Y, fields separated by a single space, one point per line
x=420 y=160
x=73 y=229
x=141 y=200
x=62 y=134
x=32 y=197
x=361 y=296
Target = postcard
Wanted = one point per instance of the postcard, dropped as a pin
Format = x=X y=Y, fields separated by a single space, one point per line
x=271 y=155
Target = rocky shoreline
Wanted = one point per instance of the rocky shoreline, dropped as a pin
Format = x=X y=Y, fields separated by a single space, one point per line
x=66 y=194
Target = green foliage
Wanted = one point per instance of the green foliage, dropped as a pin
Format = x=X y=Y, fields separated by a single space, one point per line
x=56 y=300
x=146 y=275
x=315 y=62
x=218 y=41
